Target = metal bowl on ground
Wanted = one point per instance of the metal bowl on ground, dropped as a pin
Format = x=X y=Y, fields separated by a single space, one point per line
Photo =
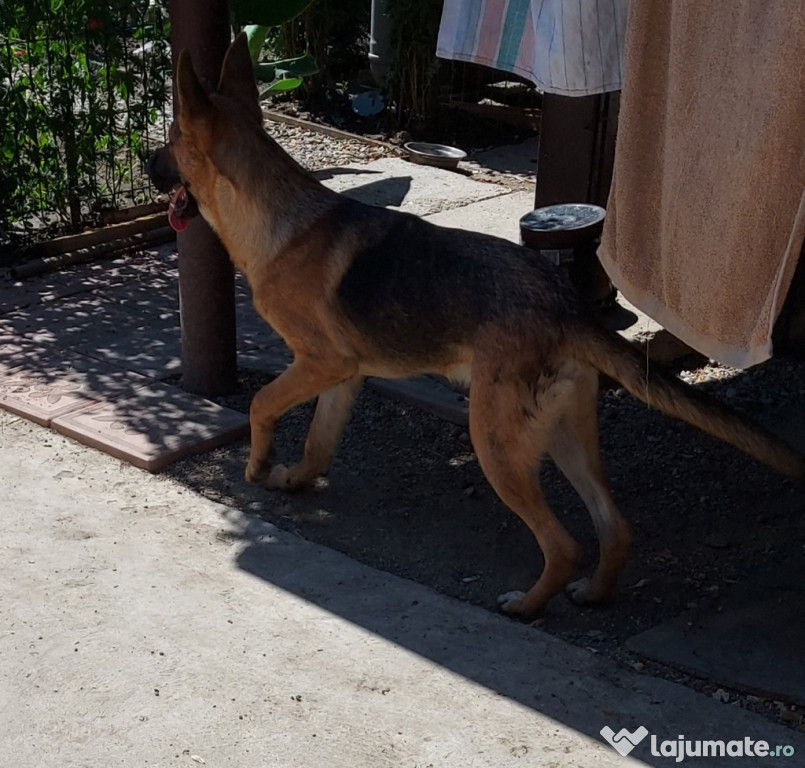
x=438 y=155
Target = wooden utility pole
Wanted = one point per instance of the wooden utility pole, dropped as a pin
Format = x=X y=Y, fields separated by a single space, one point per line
x=206 y=276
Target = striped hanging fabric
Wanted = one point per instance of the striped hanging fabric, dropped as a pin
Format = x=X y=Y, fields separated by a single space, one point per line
x=566 y=47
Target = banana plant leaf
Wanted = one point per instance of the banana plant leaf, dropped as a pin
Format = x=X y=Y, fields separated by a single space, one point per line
x=286 y=84
x=301 y=66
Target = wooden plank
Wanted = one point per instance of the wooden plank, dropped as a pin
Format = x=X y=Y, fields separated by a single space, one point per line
x=122 y=215
x=428 y=393
x=336 y=133
x=107 y=249
x=96 y=236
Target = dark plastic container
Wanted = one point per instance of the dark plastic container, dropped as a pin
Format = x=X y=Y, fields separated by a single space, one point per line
x=568 y=235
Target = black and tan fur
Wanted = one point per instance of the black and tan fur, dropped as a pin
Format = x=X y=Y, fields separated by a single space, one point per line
x=357 y=291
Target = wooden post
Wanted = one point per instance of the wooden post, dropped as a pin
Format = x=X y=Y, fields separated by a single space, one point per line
x=576 y=157
x=576 y=149
x=206 y=276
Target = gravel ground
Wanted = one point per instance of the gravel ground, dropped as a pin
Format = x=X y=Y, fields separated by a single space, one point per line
x=406 y=495
x=316 y=151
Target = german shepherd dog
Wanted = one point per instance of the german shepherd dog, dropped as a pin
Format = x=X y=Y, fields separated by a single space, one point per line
x=357 y=290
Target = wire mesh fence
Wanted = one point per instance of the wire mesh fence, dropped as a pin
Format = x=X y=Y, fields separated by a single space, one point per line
x=83 y=100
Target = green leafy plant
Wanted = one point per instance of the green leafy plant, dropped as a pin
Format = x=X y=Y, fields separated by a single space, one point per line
x=260 y=17
x=285 y=74
x=79 y=96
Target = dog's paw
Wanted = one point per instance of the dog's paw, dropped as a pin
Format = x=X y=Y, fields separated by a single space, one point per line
x=581 y=592
x=279 y=478
x=284 y=478
x=511 y=603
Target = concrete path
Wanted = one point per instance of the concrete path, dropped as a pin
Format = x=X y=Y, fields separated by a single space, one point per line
x=143 y=625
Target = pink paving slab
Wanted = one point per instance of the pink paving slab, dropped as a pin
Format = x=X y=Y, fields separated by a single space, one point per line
x=47 y=383
x=154 y=426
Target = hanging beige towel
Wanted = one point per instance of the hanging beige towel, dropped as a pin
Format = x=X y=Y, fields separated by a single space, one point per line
x=706 y=215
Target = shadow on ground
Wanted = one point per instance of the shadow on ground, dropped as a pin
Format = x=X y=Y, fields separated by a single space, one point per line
x=406 y=496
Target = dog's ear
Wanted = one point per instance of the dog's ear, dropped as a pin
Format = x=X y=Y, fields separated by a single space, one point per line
x=195 y=107
x=237 y=76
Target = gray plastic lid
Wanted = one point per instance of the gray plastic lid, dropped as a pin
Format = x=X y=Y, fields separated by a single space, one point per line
x=563 y=217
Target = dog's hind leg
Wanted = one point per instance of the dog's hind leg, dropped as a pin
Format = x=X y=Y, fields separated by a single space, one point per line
x=574 y=447
x=302 y=381
x=510 y=427
x=332 y=413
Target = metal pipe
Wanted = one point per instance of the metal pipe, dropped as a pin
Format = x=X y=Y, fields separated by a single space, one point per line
x=379 y=41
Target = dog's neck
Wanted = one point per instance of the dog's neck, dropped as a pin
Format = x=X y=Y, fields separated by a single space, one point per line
x=260 y=209
x=255 y=233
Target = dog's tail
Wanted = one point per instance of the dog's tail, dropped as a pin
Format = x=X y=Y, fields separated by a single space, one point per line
x=616 y=358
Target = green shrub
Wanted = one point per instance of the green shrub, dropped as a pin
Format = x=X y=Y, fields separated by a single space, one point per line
x=76 y=102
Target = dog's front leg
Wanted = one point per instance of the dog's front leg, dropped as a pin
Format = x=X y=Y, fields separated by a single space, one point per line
x=331 y=416
x=305 y=379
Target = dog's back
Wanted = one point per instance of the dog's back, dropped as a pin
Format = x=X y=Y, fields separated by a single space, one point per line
x=419 y=301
